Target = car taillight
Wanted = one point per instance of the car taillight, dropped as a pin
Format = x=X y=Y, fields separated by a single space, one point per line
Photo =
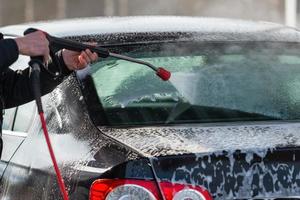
x=130 y=189
x=123 y=189
x=177 y=191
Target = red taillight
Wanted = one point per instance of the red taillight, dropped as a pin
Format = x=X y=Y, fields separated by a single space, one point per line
x=106 y=189
x=119 y=189
x=176 y=191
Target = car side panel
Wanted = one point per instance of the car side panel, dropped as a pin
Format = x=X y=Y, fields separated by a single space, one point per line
x=83 y=153
x=11 y=143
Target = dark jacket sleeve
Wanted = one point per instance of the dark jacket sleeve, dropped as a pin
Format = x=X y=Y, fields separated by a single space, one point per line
x=17 y=86
x=8 y=53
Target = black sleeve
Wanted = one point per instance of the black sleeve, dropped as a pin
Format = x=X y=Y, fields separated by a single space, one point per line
x=9 y=53
x=17 y=86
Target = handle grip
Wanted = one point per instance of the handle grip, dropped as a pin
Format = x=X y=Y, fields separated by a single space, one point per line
x=61 y=43
x=35 y=83
x=32 y=30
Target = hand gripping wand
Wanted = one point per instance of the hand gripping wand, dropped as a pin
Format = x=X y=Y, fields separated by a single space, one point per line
x=37 y=62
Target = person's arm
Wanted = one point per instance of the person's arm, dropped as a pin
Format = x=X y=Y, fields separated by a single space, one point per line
x=17 y=86
x=9 y=53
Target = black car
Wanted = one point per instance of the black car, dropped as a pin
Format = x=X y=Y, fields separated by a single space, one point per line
x=225 y=126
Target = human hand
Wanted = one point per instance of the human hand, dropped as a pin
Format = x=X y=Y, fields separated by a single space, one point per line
x=34 y=44
x=78 y=60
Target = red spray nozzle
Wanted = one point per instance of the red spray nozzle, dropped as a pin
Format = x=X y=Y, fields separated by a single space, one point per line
x=163 y=73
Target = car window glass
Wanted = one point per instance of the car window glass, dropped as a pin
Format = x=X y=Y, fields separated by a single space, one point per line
x=210 y=82
x=8 y=118
x=118 y=77
x=25 y=116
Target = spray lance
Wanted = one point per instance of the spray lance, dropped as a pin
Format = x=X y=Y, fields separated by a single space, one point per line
x=60 y=43
x=37 y=62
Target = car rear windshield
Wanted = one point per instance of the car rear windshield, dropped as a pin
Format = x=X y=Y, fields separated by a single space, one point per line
x=210 y=82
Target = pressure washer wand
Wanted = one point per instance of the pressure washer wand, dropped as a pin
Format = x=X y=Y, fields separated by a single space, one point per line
x=160 y=71
x=36 y=63
x=61 y=43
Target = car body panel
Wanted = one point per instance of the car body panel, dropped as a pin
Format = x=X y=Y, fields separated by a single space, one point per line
x=206 y=29
x=239 y=160
x=240 y=174
x=182 y=139
x=83 y=150
x=11 y=144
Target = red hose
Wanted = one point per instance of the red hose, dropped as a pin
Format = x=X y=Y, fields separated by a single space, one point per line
x=60 y=180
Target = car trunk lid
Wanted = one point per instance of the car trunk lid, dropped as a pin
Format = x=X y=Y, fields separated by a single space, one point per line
x=184 y=139
x=249 y=174
x=240 y=161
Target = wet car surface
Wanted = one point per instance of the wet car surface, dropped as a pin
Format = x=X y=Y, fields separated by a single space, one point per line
x=225 y=124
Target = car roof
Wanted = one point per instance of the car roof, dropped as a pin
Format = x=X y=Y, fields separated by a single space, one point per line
x=206 y=29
